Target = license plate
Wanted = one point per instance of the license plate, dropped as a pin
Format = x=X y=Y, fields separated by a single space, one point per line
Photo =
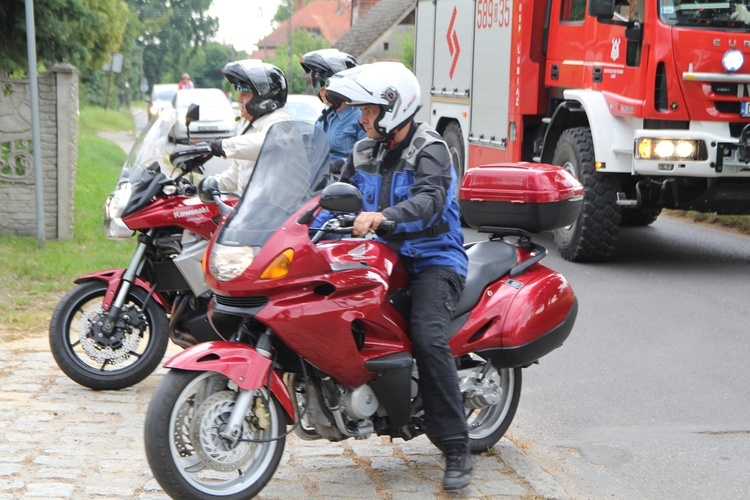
x=745 y=108
x=215 y=128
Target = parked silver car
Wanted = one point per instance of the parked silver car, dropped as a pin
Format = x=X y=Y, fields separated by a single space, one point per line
x=162 y=95
x=304 y=107
x=217 y=118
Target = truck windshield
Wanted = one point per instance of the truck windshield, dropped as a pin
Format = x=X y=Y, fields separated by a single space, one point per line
x=726 y=16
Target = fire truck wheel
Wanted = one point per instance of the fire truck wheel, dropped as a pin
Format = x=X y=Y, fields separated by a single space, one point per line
x=454 y=140
x=593 y=236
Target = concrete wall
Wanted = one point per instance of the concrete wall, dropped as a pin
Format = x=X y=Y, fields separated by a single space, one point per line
x=58 y=117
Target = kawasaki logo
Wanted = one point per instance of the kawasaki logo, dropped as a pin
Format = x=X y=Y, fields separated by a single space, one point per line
x=190 y=213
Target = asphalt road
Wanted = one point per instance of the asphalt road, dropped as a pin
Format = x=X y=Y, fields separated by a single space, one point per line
x=649 y=396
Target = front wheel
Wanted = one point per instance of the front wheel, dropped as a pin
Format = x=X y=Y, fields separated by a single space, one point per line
x=593 y=235
x=102 y=360
x=186 y=450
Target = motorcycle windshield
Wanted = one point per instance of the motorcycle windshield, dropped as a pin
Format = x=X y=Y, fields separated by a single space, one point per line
x=292 y=167
x=151 y=146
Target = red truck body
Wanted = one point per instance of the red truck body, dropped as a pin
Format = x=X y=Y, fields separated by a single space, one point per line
x=645 y=102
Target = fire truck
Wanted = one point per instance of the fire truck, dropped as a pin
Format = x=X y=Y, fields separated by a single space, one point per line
x=646 y=102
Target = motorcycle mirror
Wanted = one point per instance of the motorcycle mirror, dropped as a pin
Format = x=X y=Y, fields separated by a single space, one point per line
x=341 y=197
x=193 y=114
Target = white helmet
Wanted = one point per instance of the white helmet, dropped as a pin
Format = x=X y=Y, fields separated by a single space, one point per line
x=389 y=85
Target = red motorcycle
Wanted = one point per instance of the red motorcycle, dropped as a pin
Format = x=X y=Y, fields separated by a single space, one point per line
x=112 y=329
x=316 y=337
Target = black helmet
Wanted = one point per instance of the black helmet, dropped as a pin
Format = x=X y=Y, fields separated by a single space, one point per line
x=324 y=63
x=267 y=83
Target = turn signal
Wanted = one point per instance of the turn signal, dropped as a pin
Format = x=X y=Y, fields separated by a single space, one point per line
x=279 y=267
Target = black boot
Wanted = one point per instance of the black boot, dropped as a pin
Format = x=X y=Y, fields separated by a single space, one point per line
x=458 y=464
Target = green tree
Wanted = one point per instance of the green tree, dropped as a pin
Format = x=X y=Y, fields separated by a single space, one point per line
x=287 y=59
x=171 y=35
x=205 y=68
x=406 y=56
x=83 y=32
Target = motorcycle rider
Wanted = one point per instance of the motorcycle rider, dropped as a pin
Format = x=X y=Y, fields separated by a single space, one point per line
x=339 y=121
x=263 y=89
x=403 y=169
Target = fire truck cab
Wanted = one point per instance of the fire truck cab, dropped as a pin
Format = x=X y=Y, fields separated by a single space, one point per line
x=646 y=102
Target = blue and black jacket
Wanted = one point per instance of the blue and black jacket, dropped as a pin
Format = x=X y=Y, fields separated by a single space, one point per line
x=413 y=184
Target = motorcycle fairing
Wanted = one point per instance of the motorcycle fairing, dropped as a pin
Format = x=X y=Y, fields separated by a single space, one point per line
x=240 y=363
x=179 y=211
x=113 y=278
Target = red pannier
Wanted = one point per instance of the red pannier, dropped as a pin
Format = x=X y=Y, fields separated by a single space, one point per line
x=534 y=197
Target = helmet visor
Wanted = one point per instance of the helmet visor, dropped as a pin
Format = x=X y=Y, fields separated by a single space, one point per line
x=319 y=81
x=242 y=87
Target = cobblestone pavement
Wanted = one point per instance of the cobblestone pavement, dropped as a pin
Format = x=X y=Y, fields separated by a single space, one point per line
x=60 y=440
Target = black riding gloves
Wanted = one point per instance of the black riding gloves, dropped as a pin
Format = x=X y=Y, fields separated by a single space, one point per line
x=216 y=148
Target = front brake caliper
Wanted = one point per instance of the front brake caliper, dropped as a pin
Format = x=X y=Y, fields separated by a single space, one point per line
x=262 y=419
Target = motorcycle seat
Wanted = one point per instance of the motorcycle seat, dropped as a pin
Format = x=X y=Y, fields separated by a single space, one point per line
x=488 y=261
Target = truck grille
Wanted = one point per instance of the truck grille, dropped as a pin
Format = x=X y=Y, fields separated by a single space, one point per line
x=722 y=88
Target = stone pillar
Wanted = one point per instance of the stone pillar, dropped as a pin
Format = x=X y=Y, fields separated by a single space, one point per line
x=66 y=77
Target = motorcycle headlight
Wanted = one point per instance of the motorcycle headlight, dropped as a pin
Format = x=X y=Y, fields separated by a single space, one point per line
x=114 y=207
x=228 y=262
x=116 y=202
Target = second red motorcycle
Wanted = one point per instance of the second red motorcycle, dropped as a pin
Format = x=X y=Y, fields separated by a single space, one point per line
x=111 y=330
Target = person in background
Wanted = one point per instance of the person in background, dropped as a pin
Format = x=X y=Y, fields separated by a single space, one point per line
x=262 y=91
x=185 y=83
x=403 y=169
x=339 y=121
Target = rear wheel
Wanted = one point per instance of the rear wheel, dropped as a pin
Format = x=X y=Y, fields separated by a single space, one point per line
x=186 y=450
x=594 y=234
x=491 y=397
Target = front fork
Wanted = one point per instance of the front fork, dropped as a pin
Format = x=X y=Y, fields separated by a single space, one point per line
x=233 y=429
x=135 y=267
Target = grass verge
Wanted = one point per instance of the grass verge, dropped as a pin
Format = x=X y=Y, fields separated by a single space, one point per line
x=32 y=280
x=739 y=223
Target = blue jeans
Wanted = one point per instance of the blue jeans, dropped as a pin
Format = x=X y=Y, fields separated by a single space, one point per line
x=434 y=294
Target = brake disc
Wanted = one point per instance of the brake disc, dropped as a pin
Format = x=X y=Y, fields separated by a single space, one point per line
x=115 y=347
x=209 y=421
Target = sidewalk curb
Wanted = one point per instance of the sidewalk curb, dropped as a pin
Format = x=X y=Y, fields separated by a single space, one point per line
x=526 y=468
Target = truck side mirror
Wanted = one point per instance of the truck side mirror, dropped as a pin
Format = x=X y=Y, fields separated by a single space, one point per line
x=602 y=9
x=634 y=33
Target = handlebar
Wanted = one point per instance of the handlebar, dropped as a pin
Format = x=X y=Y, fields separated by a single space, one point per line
x=192 y=158
x=344 y=224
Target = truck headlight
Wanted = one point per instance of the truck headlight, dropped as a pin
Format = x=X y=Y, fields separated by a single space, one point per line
x=227 y=262
x=647 y=148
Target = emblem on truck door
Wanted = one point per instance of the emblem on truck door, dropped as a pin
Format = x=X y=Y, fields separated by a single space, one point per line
x=615 y=53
